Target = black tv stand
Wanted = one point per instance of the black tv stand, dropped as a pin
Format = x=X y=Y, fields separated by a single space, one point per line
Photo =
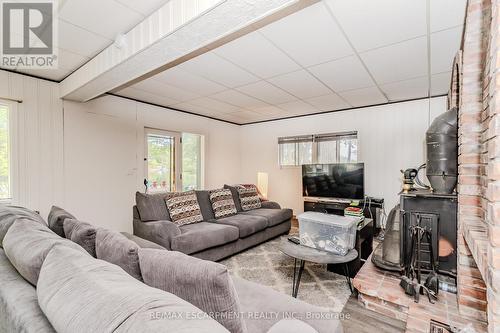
x=365 y=232
x=337 y=206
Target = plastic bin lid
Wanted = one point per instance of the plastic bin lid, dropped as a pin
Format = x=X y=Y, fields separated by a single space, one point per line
x=337 y=220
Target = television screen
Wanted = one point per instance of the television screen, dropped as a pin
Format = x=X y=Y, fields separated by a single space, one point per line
x=342 y=180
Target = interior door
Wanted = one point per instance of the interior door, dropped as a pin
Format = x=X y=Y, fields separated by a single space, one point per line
x=162 y=162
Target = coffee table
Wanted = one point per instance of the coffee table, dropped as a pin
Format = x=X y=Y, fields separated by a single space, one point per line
x=301 y=254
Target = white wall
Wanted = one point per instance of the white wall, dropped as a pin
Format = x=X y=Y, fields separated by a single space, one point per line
x=391 y=137
x=88 y=157
x=39 y=141
x=104 y=155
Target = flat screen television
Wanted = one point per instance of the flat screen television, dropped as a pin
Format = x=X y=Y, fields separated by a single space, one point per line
x=341 y=180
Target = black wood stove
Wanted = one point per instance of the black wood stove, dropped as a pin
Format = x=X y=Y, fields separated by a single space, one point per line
x=438 y=214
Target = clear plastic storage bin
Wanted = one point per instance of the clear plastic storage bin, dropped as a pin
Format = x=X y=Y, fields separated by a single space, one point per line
x=327 y=232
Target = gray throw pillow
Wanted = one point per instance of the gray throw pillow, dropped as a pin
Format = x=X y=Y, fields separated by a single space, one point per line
x=236 y=196
x=152 y=207
x=56 y=219
x=27 y=243
x=81 y=233
x=117 y=249
x=205 y=284
x=9 y=214
x=78 y=293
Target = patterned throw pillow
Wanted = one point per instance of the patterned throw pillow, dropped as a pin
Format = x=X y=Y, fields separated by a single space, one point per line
x=184 y=208
x=249 y=197
x=222 y=203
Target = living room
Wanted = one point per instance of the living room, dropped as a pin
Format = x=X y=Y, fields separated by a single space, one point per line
x=237 y=107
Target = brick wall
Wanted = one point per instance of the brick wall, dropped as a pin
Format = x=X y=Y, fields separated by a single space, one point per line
x=479 y=164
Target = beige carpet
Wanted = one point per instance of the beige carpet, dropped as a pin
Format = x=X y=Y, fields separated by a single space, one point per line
x=265 y=264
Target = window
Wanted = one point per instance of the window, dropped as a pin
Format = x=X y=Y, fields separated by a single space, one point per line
x=173 y=161
x=191 y=161
x=321 y=148
x=5 y=152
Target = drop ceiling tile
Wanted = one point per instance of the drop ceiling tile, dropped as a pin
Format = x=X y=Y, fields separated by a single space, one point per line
x=269 y=110
x=214 y=104
x=234 y=118
x=414 y=88
x=300 y=84
x=266 y=92
x=215 y=68
x=144 y=7
x=343 y=74
x=197 y=109
x=50 y=74
x=80 y=41
x=328 y=102
x=107 y=18
x=257 y=55
x=245 y=116
x=310 y=36
x=371 y=24
x=166 y=90
x=444 y=46
x=69 y=60
x=147 y=97
x=298 y=107
x=440 y=83
x=237 y=98
x=445 y=14
x=364 y=97
x=398 y=62
x=190 y=82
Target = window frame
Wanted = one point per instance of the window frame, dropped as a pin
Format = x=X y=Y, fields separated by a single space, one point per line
x=12 y=107
x=178 y=156
x=315 y=139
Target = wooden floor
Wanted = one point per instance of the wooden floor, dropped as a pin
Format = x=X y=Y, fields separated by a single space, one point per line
x=362 y=320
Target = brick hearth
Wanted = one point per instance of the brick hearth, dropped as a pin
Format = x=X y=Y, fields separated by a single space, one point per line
x=379 y=291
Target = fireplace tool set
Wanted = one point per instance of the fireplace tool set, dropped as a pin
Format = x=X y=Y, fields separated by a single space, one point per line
x=411 y=281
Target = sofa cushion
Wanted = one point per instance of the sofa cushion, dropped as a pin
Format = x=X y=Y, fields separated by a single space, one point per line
x=183 y=208
x=81 y=233
x=142 y=243
x=152 y=207
x=205 y=284
x=56 y=219
x=249 y=197
x=273 y=216
x=27 y=244
x=117 y=249
x=261 y=299
x=106 y=299
x=205 y=205
x=222 y=203
x=236 y=196
x=247 y=224
x=19 y=309
x=9 y=214
x=203 y=235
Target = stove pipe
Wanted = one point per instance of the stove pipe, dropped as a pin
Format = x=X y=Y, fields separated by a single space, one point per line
x=442 y=152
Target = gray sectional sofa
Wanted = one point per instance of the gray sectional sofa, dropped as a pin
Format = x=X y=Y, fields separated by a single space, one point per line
x=213 y=239
x=50 y=283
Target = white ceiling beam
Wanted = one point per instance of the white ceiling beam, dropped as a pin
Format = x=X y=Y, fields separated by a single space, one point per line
x=177 y=32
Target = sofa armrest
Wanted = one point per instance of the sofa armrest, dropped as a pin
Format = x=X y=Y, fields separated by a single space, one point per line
x=271 y=205
x=159 y=232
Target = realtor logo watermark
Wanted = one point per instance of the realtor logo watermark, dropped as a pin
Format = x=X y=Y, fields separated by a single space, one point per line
x=29 y=30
